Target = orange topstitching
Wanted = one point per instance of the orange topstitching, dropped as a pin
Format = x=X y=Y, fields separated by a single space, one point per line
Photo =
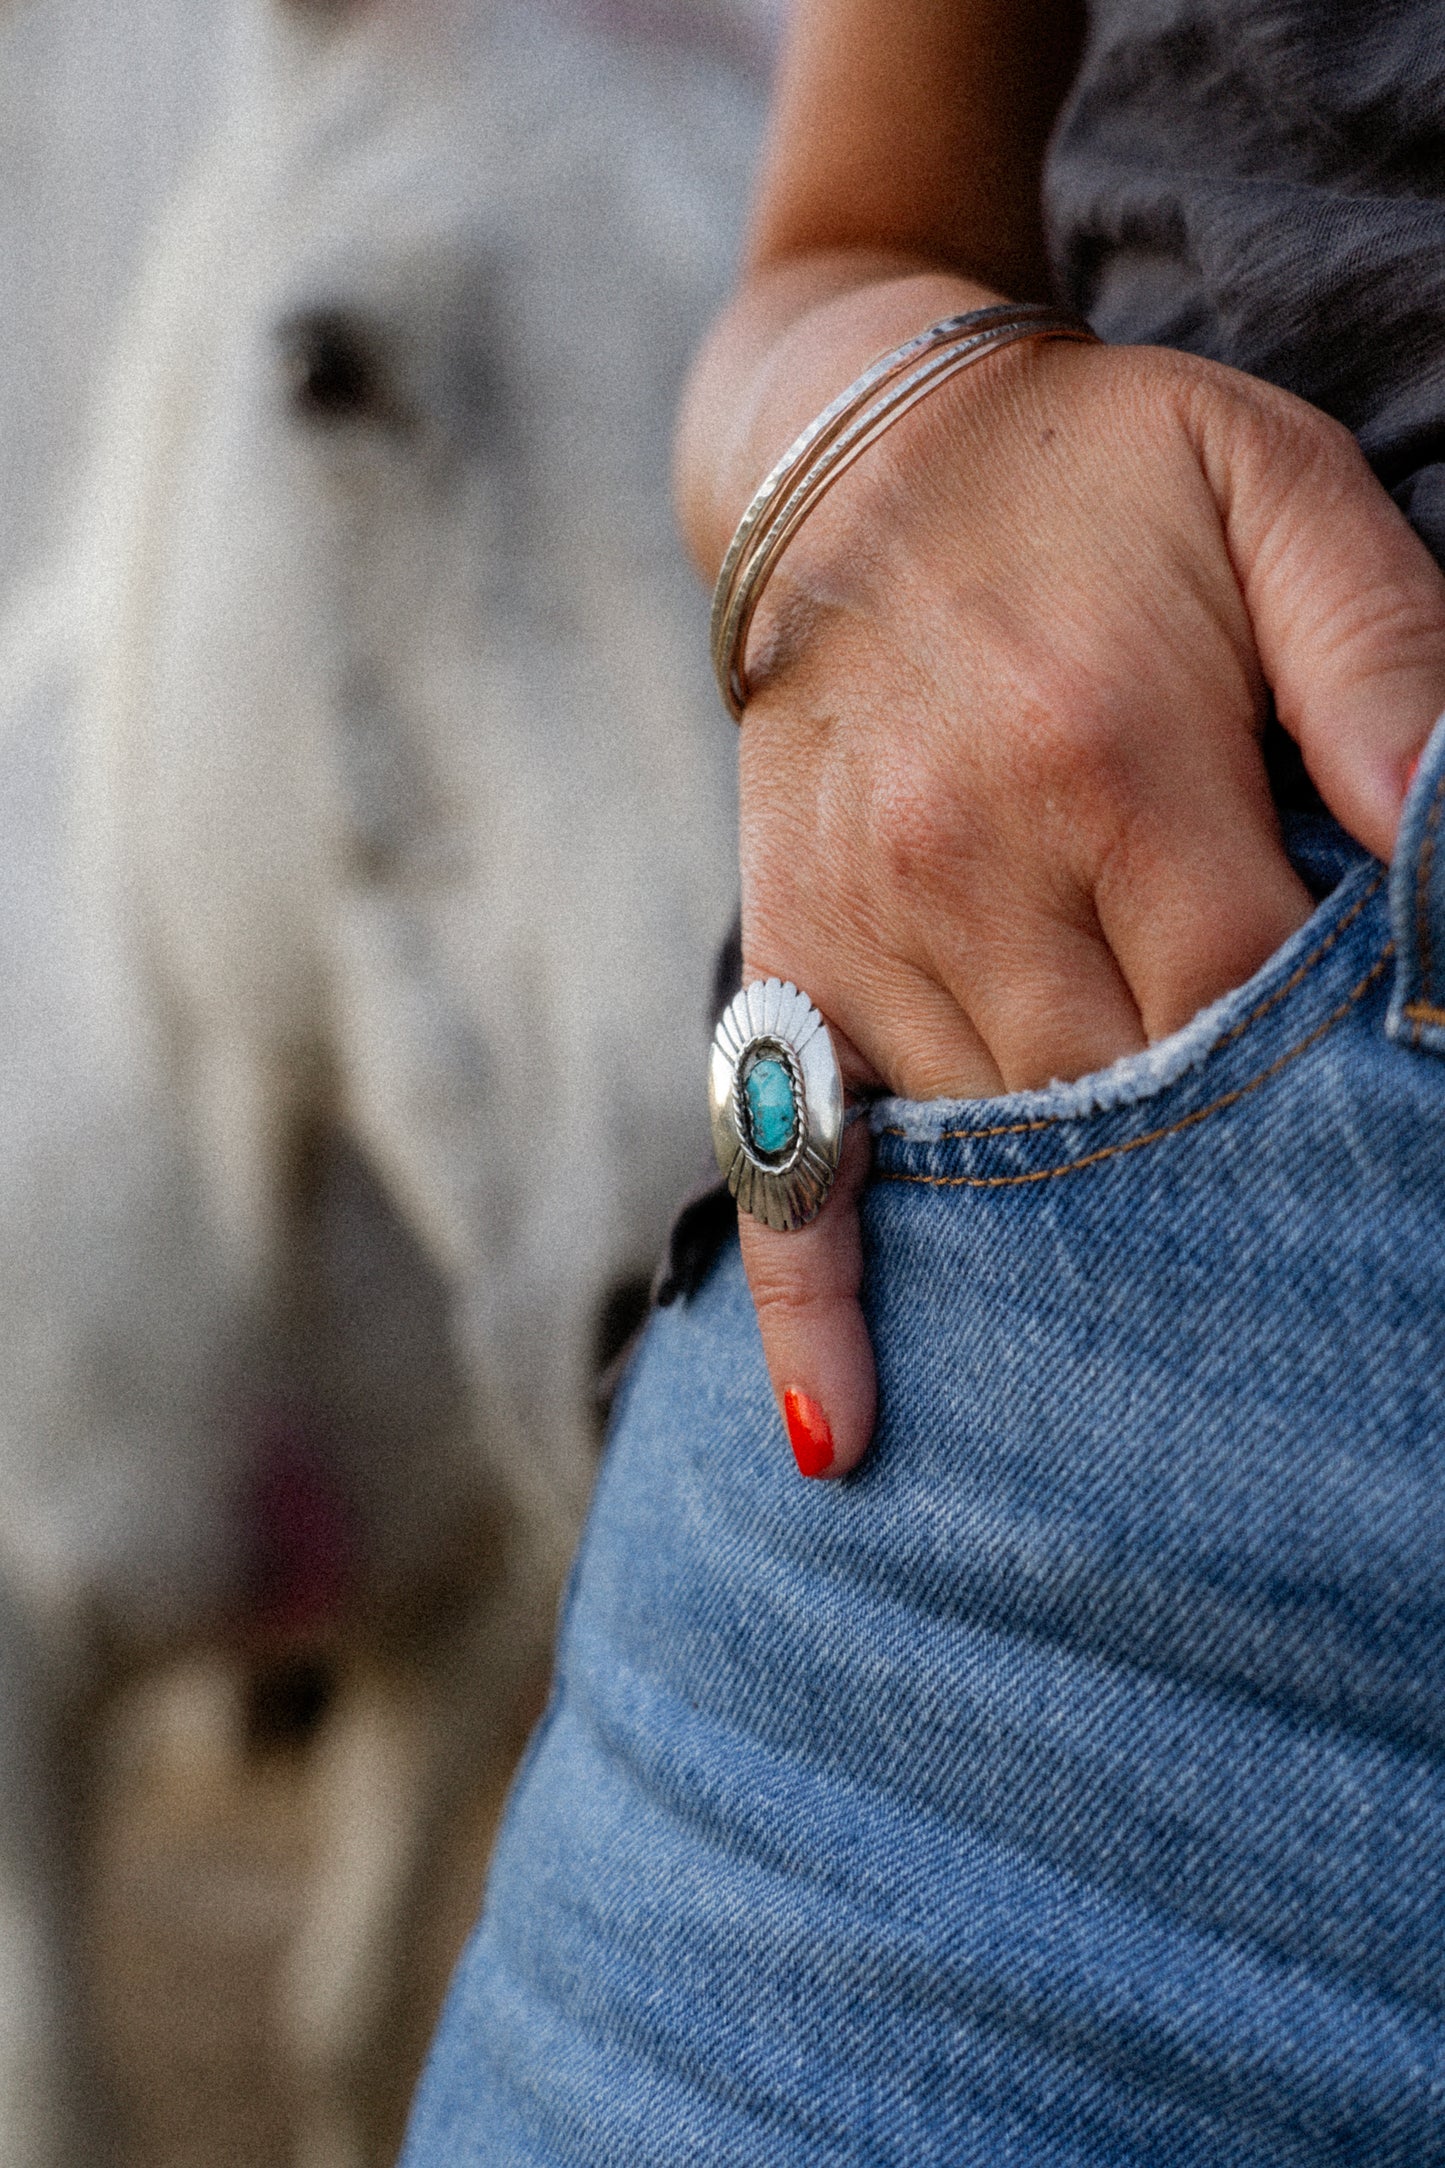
x=1155 y=1136
x=1236 y=1031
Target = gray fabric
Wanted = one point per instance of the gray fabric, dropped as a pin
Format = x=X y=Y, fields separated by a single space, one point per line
x=1263 y=182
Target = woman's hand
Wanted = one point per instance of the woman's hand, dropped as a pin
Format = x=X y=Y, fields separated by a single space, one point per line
x=1004 y=814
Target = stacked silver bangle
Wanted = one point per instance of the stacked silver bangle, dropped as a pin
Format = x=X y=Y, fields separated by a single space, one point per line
x=776 y=1092
x=828 y=447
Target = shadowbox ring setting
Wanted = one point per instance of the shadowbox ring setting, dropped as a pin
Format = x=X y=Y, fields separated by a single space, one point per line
x=775 y=1092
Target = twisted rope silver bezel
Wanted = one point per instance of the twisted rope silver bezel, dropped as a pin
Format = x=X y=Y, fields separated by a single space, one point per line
x=756 y=1050
x=772 y=1016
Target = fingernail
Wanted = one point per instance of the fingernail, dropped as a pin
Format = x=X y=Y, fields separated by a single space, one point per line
x=1413 y=770
x=808 y=1433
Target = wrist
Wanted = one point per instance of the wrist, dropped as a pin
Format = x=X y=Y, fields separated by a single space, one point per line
x=795 y=335
x=846 y=431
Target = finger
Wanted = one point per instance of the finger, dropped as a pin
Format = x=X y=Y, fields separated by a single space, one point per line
x=894 y=1027
x=1348 y=606
x=916 y=1038
x=1044 y=992
x=806 y=1287
x=1199 y=892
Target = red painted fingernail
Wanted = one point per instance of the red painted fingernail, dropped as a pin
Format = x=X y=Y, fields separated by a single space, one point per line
x=1413 y=770
x=808 y=1433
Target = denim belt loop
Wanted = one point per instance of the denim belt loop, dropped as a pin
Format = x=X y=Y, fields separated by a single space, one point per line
x=1417 y=907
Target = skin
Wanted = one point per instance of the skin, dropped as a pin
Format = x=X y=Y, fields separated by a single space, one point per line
x=1004 y=813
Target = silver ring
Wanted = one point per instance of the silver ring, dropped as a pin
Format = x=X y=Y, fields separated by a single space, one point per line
x=776 y=1096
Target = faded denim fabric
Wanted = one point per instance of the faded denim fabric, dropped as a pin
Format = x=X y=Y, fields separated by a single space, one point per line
x=1069 y=1786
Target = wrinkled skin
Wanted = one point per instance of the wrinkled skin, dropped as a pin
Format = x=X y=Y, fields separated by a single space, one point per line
x=1004 y=811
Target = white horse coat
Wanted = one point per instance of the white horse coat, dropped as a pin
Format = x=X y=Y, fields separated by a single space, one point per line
x=361 y=781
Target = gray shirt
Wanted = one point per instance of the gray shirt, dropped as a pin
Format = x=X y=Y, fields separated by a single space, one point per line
x=1263 y=182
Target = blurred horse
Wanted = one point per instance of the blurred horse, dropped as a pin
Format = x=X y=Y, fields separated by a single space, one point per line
x=368 y=830
x=101 y=109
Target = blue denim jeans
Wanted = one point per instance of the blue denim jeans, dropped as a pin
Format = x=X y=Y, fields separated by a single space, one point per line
x=1069 y=1786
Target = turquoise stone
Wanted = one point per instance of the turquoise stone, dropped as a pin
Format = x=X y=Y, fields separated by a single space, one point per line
x=772 y=1111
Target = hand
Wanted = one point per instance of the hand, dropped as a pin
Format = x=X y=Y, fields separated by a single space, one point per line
x=1004 y=815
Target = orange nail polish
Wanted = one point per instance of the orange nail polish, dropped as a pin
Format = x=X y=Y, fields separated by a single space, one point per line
x=808 y=1433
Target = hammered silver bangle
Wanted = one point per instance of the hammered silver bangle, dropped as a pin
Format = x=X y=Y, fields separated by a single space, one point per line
x=886 y=391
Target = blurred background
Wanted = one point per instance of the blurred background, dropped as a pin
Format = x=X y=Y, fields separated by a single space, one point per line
x=365 y=838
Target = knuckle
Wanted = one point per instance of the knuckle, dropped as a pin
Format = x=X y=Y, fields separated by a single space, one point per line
x=798 y=1280
x=1293 y=452
x=1316 y=452
x=1247 y=420
x=781 y=1295
x=1159 y=392
x=918 y=828
x=1072 y=741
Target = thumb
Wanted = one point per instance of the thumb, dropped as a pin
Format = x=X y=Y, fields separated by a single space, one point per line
x=1346 y=603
